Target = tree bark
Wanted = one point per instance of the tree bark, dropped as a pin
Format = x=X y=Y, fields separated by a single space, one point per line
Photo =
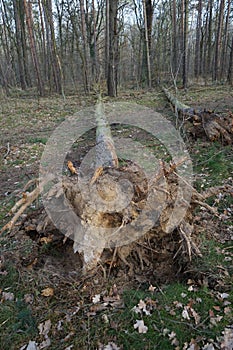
x=29 y=20
x=85 y=55
x=197 y=66
x=19 y=43
x=146 y=8
x=230 y=69
x=55 y=65
x=218 y=45
x=184 y=29
x=174 y=38
x=113 y=48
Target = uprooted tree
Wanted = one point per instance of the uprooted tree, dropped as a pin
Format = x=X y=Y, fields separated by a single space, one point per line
x=215 y=126
x=108 y=206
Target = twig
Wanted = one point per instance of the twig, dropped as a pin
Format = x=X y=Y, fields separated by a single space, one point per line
x=24 y=202
x=207 y=206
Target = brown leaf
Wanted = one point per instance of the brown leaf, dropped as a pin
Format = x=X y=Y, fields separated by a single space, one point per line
x=71 y=168
x=47 y=292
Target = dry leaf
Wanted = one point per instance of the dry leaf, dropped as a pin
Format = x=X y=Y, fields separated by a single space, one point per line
x=28 y=298
x=71 y=168
x=32 y=345
x=151 y=288
x=141 y=327
x=185 y=314
x=44 y=328
x=7 y=296
x=47 y=292
x=109 y=346
x=227 y=343
x=46 y=240
x=96 y=299
x=45 y=344
x=208 y=347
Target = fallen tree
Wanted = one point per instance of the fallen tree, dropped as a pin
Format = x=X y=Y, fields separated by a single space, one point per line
x=215 y=126
x=150 y=221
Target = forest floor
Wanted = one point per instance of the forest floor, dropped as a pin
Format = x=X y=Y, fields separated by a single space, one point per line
x=44 y=301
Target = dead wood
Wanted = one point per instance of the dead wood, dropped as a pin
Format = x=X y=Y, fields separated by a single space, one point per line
x=214 y=126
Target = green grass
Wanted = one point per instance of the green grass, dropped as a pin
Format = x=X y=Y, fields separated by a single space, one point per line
x=212 y=163
x=165 y=318
x=17 y=324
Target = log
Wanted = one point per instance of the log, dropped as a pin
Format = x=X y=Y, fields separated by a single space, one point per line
x=213 y=125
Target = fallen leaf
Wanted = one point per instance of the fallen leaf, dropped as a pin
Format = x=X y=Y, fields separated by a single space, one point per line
x=45 y=344
x=185 y=314
x=8 y=296
x=227 y=343
x=217 y=308
x=28 y=298
x=223 y=295
x=105 y=318
x=151 y=288
x=109 y=346
x=71 y=168
x=227 y=310
x=32 y=345
x=96 y=299
x=208 y=347
x=46 y=240
x=141 y=327
x=44 y=328
x=47 y=292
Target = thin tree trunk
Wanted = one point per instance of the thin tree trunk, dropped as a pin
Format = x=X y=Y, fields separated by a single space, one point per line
x=84 y=37
x=29 y=20
x=174 y=37
x=113 y=49
x=197 y=65
x=19 y=44
x=230 y=69
x=218 y=44
x=209 y=55
x=185 y=42
x=54 y=58
x=147 y=45
x=225 y=41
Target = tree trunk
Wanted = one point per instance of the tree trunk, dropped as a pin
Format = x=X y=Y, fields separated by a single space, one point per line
x=29 y=20
x=184 y=30
x=19 y=43
x=174 y=38
x=84 y=39
x=212 y=125
x=209 y=55
x=113 y=48
x=147 y=15
x=218 y=45
x=225 y=42
x=197 y=66
x=230 y=69
x=52 y=48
